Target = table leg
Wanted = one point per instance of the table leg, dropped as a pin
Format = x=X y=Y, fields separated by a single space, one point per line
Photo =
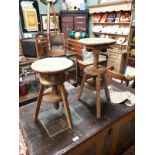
x=55 y=92
x=98 y=104
x=66 y=106
x=81 y=86
x=40 y=96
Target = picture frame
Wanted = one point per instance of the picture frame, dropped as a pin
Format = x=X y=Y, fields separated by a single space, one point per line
x=44 y=22
x=28 y=28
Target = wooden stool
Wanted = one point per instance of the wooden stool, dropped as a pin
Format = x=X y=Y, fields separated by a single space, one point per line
x=52 y=74
x=95 y=71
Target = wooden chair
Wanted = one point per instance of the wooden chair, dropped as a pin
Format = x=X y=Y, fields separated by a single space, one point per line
x=57 y=45
x=41 y=44
x=114 y=75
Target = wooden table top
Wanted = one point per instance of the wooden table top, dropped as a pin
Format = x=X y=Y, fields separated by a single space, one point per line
x=40 y=143
x=52 y=65
x=96 y=41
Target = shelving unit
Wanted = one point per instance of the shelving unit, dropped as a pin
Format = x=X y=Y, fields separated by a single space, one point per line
x=121 y=33
x=114 y=23
x=73 y=20
x=131 y=48
x=111 y=33
x=30 y=80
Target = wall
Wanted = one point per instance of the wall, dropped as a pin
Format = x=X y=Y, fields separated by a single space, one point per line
x=57 y=7
x=43 y=7
x=89 y=3
x=43 y=10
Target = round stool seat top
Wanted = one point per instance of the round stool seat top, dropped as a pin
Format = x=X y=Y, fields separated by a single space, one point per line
x=51 y=65
x=96 y=41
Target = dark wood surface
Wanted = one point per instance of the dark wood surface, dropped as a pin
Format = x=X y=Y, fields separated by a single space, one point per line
x=73 y=20
x=40 y=144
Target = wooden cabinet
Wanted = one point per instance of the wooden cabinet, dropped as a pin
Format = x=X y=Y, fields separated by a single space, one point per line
x=131 y=55
x=117 y=58
x=28 y=46
x=73 y=20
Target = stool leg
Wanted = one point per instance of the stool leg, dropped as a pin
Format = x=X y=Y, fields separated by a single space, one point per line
x=98 y=104
x=106 y=88
x=66 y=106
x=37 y=108
x=55 y=91
x=81 y=86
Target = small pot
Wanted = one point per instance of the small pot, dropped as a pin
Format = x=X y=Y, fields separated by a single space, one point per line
x=23 y=90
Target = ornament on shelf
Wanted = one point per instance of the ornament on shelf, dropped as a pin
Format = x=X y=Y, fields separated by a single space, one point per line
x=118 y=15
x=111 y=17
x=72 y=34
x=77 y=35
x=103 y=19
x=72 y=6
x=64 y=5
x=125 y=16
x=97 y=17
x=83 y=5
x=83 y=33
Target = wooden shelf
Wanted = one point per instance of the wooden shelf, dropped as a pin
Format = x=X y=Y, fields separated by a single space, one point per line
x=28 y=97
x=131 y=58
x=111 y=3
x=111 y=34
x=114 y=23
x=120 y=44
x=27 y=62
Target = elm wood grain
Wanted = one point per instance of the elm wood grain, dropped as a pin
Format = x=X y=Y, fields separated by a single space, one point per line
x=90 y=131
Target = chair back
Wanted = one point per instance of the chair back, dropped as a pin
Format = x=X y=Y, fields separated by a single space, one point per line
x=122 y=78
x=41 y=44
x=57 y=44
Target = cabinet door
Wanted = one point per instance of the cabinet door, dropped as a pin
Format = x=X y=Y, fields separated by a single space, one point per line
x=80 y=23
x=113 y=61
x=67 y=25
